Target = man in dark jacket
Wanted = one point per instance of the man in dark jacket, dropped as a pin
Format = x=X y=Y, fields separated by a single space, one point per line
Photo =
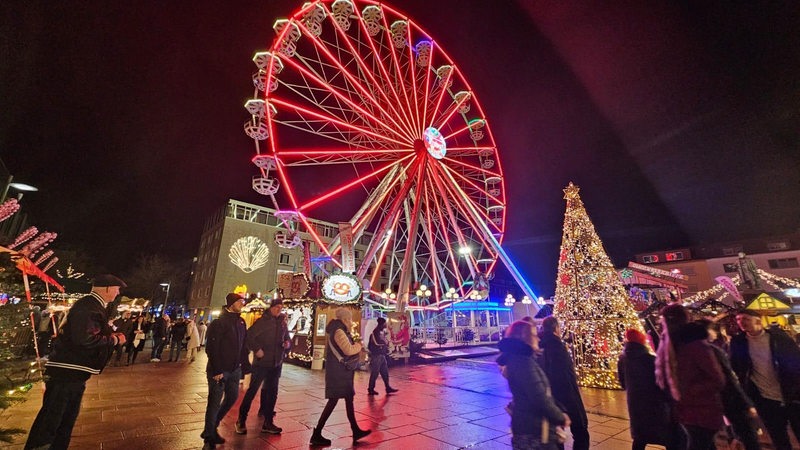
x=82 y=349
x=160 y=334
x=378 y=349
x=227 y=361
x=123 y=325
x=268 y=339
x=767 y=362
x=557 y=364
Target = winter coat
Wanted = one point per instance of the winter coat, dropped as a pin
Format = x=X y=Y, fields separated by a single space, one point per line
x=700 y=378
x=648 y=406
x=339 y=380
x=268 y=334
x=84 y=344
x=226 y=347
x=131 y=337
x=178 y=331
x=785 y=360
x=160 y=328
x=528 y=383
x=557 y=364
x=124 y=326
x=194 y=336
x=377 y=342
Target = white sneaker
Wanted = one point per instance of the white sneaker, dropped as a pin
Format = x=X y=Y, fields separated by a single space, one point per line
x=155 y=360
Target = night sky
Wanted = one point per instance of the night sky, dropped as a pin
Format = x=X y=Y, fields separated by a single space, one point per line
x=678 y=120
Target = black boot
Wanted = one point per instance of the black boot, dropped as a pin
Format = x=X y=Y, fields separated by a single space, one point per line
x=318 y=439
x=358 y=433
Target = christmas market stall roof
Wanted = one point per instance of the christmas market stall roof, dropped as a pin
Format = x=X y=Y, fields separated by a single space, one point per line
x=773 y=283
x=26 y=266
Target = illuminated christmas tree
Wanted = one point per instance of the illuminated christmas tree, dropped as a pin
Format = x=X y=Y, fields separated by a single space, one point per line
x=591 y=303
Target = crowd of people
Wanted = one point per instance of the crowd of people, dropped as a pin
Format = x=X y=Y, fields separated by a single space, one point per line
x=684 y=384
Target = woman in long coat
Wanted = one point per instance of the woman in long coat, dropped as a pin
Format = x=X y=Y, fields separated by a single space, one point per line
x=137 y=337
x=649 y=407
x=194 y=341
x=339 y=380
x=534 y=413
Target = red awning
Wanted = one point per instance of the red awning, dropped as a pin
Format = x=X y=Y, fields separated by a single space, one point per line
x=26 y=265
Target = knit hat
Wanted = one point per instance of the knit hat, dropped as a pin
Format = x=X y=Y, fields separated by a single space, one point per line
x=381 y=321
x=232 y=298
x=108 y=280
x=634 y=335
x=276 y=301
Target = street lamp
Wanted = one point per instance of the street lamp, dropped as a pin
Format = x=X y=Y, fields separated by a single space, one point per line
x=526 y=301
x=423 y=293
x=452 y=295
x=166 y=297
x=510 y=300
x=21 y=187
x=388 y=294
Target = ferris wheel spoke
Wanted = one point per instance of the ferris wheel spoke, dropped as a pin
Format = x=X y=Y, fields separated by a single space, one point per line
x=412 y=75
x=355 y=82
x=472 y=184
x=350 y=185
x=440 y=96
x=324 y=84
x=296 y=158
x=397 y=70
x=462 y=242
x=448 y=113
x=335 y=120
x=433 y=260
x=448 y=245
x=476 y=215
x=471 y=167
x=469 y=151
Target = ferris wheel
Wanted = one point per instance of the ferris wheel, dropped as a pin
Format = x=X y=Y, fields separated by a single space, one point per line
x=359 y=116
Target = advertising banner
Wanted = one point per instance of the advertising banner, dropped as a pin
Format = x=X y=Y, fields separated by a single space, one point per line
x=348 y=253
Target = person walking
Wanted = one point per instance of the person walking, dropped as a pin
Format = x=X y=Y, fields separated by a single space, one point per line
x=201 y=328
x=177 y=336
x=338 y=379
x=378 y=349
x=269 y=340
x=767 y=362
x=227 y=362
x=194 y=341
x=649 y=407
x=82 y=348
x=160 y=334
x=687 y=368
x=557 y=364
x=535 y=415
x=122 y=325
x=137 y=338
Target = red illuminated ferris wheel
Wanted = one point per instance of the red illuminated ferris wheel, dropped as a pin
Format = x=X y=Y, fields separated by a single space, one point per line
x=361 y=117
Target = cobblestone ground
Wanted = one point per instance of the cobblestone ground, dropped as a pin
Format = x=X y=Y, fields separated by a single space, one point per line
x=458 y=404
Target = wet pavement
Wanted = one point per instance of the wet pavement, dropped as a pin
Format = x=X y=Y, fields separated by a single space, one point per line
x=457 y=404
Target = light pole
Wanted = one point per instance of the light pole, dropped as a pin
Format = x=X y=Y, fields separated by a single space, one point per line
x=423 y=293
x=21 y=187
x=166 y=297
x=527 y=301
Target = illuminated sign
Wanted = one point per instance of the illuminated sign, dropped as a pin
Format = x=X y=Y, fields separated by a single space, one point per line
x=434 y=142
x=341 y=288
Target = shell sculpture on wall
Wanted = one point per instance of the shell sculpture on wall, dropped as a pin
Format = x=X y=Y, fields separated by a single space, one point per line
x=249 y=253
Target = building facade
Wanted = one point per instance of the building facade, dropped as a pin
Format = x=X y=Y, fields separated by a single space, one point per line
x=238 y=248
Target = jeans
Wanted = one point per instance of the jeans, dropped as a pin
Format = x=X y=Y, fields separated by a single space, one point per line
x=267 y=379
x=700 y=438
x=60 y=407
x=776 y=416
x=173 y=346
x=158 y=347
x=221 y=397
x=378 y=365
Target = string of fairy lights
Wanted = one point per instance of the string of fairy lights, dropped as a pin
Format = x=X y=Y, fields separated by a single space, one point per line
x=591 y=302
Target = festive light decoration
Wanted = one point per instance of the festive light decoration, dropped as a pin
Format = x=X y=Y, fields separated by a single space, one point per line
x=24 y=237
x=8 y=208
x=70 y=273
x=43 y=257
x=38 y=243
x=50 y=264
x=249 y=253
x=590 y=302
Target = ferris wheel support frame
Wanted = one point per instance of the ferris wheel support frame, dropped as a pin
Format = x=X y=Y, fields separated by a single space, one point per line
x=496 y=245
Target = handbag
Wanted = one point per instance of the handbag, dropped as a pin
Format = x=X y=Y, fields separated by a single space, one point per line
x=351 y=363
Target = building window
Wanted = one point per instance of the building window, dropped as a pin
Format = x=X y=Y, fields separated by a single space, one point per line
x=383 y=273
x=284 y=258
x=732 y=251
x=730 y=267
x=783 y=263
x=647 y=259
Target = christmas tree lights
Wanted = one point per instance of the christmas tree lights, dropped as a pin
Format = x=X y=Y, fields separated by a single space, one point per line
x=591 y=303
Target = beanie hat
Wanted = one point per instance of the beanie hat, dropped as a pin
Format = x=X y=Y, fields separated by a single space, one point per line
x=634 y=335
x=232 y=298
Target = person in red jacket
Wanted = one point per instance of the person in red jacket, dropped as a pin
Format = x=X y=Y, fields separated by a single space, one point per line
x=687 y=368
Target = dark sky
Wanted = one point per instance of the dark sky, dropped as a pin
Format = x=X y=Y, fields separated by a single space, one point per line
x=679 y=120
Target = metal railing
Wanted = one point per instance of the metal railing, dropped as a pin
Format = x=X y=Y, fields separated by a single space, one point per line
x=458 y=335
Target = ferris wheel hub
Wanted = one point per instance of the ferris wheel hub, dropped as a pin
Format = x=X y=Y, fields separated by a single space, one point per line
x=434 y=142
